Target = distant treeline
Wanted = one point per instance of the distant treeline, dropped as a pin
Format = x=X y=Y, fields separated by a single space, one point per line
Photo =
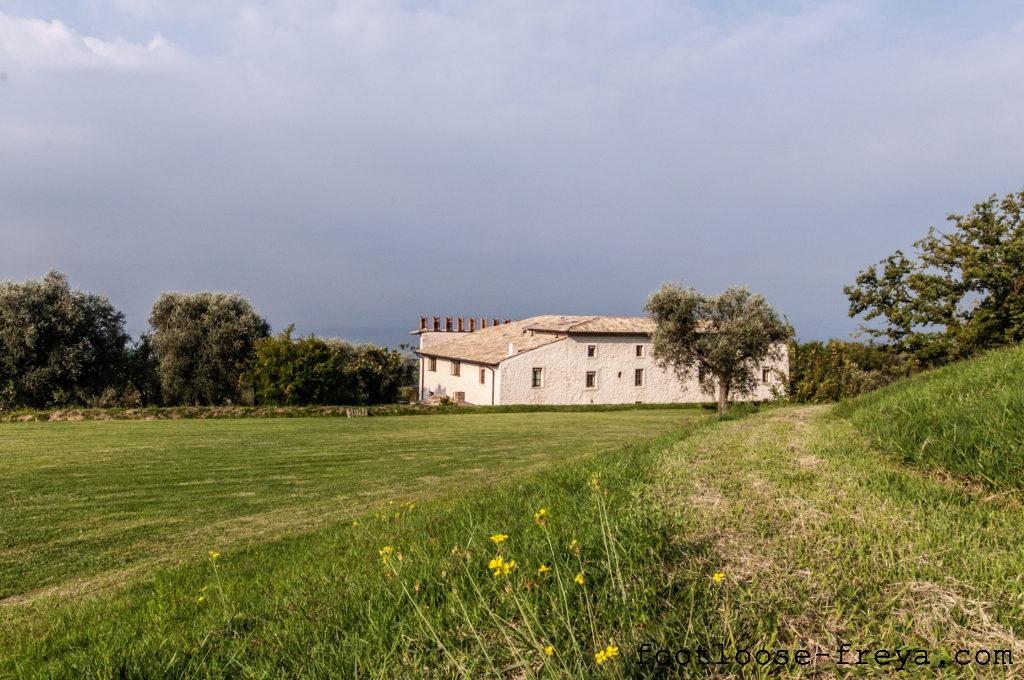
x=63 y=347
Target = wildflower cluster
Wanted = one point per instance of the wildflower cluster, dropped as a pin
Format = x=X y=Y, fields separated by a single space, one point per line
x=606 y=654
x=500 y=567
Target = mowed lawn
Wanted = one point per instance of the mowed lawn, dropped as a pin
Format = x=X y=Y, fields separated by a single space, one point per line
x=86 y=506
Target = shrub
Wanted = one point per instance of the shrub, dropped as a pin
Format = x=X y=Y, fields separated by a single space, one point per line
x=825 y=372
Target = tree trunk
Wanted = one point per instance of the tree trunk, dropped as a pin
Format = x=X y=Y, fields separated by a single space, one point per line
x=723 y=398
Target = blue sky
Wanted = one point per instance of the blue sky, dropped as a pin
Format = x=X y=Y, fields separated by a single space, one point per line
x=356 y=164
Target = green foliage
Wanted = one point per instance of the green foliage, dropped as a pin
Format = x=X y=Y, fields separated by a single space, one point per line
x=725 y=338
x=966 y=418
x=962 y=292
x=202 y=340
x=825 y=372
x=57 y=345
x=309 y=370
x=142 y=374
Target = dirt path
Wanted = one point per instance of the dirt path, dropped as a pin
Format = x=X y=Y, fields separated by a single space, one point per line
x=824 y=541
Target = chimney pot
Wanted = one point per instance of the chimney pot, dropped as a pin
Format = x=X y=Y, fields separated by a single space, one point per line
x=472 y=324
x=494 y=322
x=437 y=323
x=423 y=323
x=462 y=325
x=448 y=324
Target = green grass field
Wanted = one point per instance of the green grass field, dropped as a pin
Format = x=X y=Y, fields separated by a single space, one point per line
x=367 y=550
x=93 y=503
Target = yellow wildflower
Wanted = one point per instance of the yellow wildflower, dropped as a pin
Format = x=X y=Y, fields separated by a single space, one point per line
x=579 y=578
x=549 y=650
x=200 y=598
x=214 y=554
x=543 y=569
x=355 y=522
x=718 y=576
x=385 y=552
x=606 y=654
x=539 y=516
x=574 y=544
x=500 y=567
x=498 y=538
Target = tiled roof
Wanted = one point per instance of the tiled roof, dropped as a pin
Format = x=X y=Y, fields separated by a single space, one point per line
x=490 y=345
x=595 y=325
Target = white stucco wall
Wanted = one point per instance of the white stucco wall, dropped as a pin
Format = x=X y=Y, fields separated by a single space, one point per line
x=443 y=382
x=565 y=364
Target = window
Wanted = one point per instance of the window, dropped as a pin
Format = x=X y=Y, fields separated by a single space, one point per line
x=456 y=368
x=483 y=376
x=591 y=351
x=764 y=375
x=639 y=351
x=638 y=377
x=538 y=377
x=432 y=364
x=591 y=379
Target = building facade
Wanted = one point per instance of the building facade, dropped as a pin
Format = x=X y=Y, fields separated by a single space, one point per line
x=560 y=360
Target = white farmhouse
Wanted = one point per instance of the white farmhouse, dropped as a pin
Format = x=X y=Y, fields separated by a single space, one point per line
x=558 y=360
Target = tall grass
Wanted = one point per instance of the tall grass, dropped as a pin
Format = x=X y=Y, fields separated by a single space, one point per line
x=966 y=418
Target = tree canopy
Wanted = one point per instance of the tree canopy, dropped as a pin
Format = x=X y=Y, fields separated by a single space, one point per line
x=202 y=341
x=724 y=338
x=960 y=293
x=57 y=345
x=310 y=370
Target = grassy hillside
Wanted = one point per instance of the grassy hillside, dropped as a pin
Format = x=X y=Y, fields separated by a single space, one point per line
x=90 y=504
x=966 y=418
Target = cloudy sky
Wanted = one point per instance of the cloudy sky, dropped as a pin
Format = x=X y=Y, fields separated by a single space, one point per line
x=349 y=165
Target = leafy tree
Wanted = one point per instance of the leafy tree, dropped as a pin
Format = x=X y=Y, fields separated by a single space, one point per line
x=57 y=345
x=962 y=292
x=305 y=370
x=310 y=370
x=724 y=338
x=202 y=341
x=381 y=373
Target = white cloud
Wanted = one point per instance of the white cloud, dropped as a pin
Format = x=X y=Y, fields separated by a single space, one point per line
x=39 y=44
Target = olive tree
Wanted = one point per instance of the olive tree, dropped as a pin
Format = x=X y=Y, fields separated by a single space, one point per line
x=57 y=345
x=202 y=342
x=724 y=339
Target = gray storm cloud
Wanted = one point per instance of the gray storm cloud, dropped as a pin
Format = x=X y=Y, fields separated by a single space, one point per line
x=357 y=164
